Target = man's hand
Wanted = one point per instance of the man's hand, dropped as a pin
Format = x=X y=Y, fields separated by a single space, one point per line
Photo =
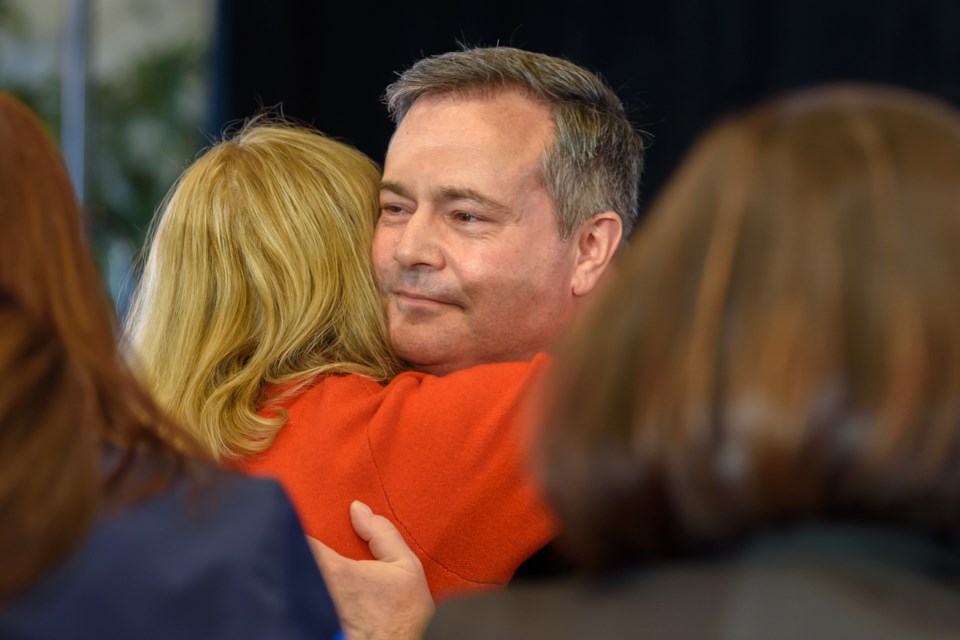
x=383 y=598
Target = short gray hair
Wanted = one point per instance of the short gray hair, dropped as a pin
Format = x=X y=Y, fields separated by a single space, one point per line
x=597 y=159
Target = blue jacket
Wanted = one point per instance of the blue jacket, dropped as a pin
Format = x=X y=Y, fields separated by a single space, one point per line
x=219 y=557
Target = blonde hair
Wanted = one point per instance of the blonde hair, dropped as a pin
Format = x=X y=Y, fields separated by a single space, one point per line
x=258 y=273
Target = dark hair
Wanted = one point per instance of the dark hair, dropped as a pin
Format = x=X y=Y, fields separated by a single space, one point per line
x=66 y=394
x=783 y=343
x=597 y=159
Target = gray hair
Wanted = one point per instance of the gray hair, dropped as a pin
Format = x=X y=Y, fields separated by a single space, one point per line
x=597 y=159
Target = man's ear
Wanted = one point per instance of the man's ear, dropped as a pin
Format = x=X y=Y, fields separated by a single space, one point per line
x=597 y=241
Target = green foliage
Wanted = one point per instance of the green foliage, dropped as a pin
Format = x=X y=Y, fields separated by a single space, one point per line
x=11 y=19
x=143 y=128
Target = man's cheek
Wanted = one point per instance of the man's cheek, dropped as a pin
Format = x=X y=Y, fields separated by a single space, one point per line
x=381 y=250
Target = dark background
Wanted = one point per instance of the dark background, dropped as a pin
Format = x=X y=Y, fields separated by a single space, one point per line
x=678 y=65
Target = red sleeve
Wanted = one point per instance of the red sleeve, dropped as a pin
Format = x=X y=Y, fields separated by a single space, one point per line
x=443 y=458
x=451 y=455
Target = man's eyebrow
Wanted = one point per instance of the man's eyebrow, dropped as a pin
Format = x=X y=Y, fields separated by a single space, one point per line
x=466 y=193
x=395 y=187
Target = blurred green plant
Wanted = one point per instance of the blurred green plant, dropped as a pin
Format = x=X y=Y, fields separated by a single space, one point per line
x=11 y=19
x=143 y=127
x=42 y=94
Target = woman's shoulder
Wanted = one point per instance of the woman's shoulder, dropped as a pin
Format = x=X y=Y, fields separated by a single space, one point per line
x=327 y=390
x=203 y=503
x=216 y=555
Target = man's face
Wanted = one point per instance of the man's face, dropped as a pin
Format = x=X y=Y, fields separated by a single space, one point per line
x=467 y=249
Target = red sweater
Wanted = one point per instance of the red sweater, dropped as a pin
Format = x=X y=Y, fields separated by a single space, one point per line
x=442 y=457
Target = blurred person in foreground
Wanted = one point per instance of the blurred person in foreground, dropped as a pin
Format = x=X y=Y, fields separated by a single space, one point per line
x=756 y=432
x=107 y=530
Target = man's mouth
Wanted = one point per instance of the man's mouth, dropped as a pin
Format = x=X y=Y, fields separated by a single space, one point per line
x=417 y=298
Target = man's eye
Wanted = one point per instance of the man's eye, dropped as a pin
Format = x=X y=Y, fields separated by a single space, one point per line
x=464 y=216
x=391 y=209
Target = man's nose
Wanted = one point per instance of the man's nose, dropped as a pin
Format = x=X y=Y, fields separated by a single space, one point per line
x=419 y=245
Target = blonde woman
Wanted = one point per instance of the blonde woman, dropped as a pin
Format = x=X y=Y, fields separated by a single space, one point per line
x=258 y=324
x=258 y=274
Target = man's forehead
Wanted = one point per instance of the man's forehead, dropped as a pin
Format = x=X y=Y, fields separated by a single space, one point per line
x=478 y=150
x=482 y=118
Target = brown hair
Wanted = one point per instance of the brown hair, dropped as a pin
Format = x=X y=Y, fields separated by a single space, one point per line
x=65 y=393
x=783 y=343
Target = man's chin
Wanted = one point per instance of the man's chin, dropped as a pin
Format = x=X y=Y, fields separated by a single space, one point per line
x=428 y=356
x=437 y=369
